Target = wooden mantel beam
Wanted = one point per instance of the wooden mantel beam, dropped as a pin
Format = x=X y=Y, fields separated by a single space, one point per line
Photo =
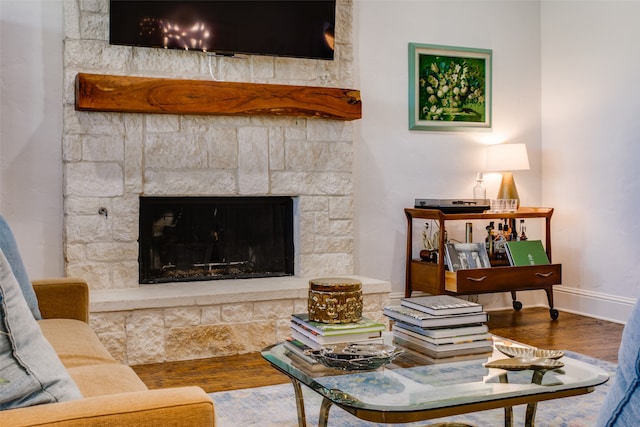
x=98 y=92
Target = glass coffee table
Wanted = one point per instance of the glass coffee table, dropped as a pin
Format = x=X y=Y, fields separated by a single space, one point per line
x=414 y=387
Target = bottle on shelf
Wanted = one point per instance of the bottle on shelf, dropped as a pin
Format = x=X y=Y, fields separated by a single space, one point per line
x=523 y=230
x=479 y=190
x=514 y=230
x=489 y=239
x=468 y=232
x=498 y=243
x=506 y=228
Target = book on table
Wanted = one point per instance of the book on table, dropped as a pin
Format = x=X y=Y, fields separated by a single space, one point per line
x=295 y=350
x=426 y=320
x=334 y=339
x=418 y=347
x=299 y=349
x=456 y=358
x=445 y=346
x=526 y=252
x=440 y=305
x=315 y=345
x=446 y=332
x=326 y=329
x=454 y=339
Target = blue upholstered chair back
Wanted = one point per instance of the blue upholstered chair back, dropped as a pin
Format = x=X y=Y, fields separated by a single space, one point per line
x=621 y=407
x=10 y=249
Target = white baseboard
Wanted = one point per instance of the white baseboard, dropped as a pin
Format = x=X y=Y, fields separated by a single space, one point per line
x=593 y=304
x=598 y=305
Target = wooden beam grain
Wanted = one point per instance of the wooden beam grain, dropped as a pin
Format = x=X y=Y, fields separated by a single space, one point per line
x=98 y=92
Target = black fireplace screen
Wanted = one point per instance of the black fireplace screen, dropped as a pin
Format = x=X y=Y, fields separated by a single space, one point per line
x=207 y=238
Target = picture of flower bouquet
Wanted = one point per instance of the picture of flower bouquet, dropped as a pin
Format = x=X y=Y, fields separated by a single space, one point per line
x=449 y=88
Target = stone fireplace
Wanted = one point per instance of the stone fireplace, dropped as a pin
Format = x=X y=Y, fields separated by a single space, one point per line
x=185 y=239
x=112 y=159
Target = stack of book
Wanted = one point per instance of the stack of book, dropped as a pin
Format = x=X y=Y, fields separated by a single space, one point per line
x=441 y=326
x=307 y=334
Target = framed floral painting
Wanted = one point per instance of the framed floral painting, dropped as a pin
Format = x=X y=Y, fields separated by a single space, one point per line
x=449 y=88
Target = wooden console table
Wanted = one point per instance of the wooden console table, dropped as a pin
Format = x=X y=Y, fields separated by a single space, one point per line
x=433 y=278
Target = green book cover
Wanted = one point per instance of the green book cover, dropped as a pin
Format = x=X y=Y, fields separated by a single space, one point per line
x=363 y=325
x=526 y=252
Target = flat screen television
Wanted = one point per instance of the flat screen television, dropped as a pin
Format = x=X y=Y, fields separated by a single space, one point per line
x=292 y=28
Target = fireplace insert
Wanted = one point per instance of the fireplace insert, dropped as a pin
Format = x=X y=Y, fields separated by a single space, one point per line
x=209 y=238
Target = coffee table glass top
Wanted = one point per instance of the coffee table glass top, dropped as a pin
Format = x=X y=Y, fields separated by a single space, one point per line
x=413 y=382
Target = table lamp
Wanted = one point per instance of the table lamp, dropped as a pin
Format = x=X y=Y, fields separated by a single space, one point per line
x=506 y=158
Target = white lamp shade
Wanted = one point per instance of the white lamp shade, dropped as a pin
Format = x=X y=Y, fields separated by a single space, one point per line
x=507 y=157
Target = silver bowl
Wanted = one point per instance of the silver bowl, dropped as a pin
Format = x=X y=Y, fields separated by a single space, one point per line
x=356 y=356
x=515 y=351
x=522 y=363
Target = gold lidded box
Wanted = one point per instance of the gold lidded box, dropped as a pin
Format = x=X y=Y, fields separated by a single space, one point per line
x=335 y=300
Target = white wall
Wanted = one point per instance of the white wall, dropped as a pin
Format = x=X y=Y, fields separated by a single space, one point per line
x=583 y=82
x=394 y=165
x=31 y=129
x=591 y=147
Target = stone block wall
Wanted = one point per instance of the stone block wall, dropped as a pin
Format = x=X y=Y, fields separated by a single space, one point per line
x=160 y=324
x=111 y=159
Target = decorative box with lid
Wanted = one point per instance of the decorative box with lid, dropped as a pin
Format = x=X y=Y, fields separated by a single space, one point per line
x=335 y=300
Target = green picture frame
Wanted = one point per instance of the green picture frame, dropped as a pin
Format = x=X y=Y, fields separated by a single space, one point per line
x=449 y=88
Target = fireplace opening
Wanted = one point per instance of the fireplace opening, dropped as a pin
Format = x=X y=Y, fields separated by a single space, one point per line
x=209 y=238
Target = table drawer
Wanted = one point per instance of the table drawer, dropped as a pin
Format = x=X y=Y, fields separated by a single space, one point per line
x=503 y=279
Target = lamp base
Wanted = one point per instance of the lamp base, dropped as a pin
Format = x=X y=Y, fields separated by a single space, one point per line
x=508 y=188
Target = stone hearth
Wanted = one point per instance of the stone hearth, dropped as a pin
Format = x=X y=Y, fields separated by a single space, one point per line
x=166 y=322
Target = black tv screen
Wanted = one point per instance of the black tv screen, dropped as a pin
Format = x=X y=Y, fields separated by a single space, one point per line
x=293 y=28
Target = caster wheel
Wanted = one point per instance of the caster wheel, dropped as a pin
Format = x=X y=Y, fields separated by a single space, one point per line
x=517 y=305
x=554 y=313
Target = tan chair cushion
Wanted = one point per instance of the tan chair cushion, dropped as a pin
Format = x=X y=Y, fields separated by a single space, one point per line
x=109 y=378
x=175 y=407
x=75 y=342
x=63 y=298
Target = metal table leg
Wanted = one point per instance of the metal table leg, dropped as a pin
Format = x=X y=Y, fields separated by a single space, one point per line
x=531 y=407
x=508 y=410
x=297 y=389
x=530 y=415
x=324 y=412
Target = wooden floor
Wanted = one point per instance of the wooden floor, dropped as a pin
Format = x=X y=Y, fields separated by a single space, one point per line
x=533 y=326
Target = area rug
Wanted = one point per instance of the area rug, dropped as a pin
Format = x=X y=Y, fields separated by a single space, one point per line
x=275 y=406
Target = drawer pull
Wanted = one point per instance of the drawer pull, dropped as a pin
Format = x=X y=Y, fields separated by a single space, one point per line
x=545 y=274
x=477 y=279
